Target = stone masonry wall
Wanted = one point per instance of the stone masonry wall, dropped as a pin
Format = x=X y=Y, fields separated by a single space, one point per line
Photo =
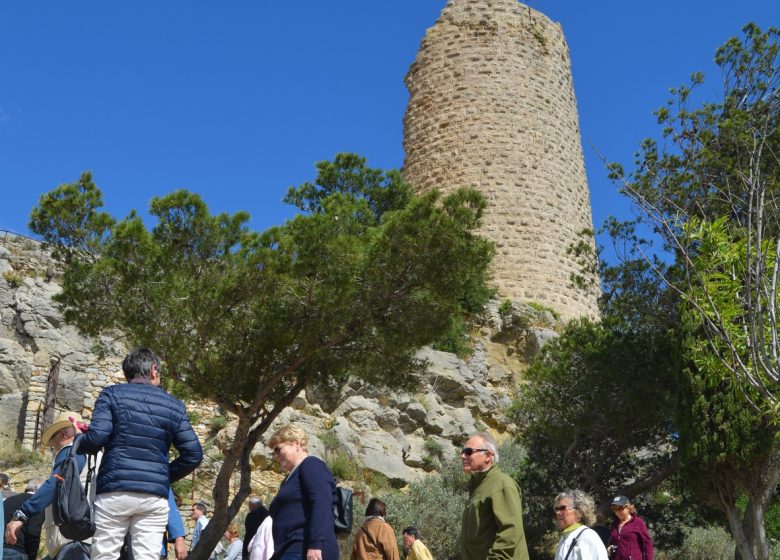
x=34 y=339
x=492 y=106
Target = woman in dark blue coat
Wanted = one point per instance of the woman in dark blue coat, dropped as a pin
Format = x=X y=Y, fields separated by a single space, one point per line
x=302 y=510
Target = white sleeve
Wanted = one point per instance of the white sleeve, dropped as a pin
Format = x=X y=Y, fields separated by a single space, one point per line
x=262 y=546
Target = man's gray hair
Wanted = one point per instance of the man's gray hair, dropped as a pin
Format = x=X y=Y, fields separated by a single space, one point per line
x=139 y=362
x=582 y=503
x=255 y=501
x=489 y=442
x=34 y=484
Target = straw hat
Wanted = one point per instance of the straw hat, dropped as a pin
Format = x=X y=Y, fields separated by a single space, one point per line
x=62 y=421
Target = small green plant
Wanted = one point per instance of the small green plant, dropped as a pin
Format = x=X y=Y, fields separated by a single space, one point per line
x=505 y=307
x=431 y=463
x=217 y=423
x=14 y=455
x=329 y=439
x=194 y=416
x=456 y=340
x=376 y=481
x=434 y=448
x=183 y=487
x=342 y=466
x=542 y=308
x=12 y=278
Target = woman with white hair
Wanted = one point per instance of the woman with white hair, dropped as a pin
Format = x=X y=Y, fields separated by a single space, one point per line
x=574 y=511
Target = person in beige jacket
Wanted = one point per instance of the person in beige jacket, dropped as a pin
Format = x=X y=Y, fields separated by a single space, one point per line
x=375 y=540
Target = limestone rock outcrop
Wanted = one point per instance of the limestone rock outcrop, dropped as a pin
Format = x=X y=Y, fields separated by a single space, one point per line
x=401 y=435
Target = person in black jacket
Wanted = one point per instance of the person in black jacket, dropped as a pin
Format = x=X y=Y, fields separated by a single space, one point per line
x=29 y=538
x=257 y=514
x=135 y=425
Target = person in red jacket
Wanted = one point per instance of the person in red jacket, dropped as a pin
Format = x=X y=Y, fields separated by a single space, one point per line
x=628 y=539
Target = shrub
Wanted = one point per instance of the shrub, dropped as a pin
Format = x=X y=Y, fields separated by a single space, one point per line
x=329 y=440
x=376 y=481
x=505 y=307
x=435 y=507
x=434 y=448
x=342 y=466
x=13 y=278
x=183 y=487
x=456 y=340
x=12 y=454
x=704 y=543
x=217 y=423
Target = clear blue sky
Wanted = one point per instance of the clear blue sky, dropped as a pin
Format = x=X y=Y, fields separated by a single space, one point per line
x=237 y=100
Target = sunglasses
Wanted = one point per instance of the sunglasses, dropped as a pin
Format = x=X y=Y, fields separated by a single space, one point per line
x=558 y=509
x=616 y=508
x=277 y=450
x=469 y=451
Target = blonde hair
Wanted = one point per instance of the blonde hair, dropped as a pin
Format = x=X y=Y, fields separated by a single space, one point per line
x=233 y=530
x=287 y=434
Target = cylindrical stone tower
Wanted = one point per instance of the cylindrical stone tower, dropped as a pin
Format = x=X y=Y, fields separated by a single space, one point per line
x=492 y=106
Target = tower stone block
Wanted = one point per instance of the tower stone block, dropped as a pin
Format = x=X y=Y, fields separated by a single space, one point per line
x=492 y=106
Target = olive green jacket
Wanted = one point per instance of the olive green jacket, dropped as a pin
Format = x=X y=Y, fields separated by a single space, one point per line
x=492 y=527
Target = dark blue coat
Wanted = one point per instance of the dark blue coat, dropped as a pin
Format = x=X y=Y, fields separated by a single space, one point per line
x=302 y=511
x=135 y=424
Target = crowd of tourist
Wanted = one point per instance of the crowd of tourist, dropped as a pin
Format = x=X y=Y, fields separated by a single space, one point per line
x=137 y=516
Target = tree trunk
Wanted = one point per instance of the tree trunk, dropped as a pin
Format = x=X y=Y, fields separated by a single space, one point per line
x=240 y=452
x=743 y=550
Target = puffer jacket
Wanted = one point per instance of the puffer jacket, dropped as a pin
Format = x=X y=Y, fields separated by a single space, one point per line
x=135 y=424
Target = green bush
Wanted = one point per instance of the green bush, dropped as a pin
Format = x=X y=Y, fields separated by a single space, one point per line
x=434 y=505
x=329 y=440
x=183 y=487
x=456 y=340
x=702 y=543
x=342 y=466
x=434 y=448
x=217 y=423
x=12 y=454
x=505 y=307
x=13 y=278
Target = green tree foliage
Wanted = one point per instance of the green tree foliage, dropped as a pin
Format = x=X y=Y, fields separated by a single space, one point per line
x=713 y=182
x=710 y=192
x=353 y=286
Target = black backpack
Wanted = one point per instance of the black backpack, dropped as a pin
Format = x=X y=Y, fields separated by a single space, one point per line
x=342 y=511
x=72 y=508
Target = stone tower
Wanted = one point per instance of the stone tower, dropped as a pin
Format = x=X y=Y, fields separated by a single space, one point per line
x=492 y=106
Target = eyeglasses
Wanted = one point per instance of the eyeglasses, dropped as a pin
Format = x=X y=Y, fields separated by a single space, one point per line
x=558 y=509
x=469 y=451
x=616 y=508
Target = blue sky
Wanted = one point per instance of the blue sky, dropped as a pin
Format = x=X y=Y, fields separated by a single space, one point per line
x=237 y=100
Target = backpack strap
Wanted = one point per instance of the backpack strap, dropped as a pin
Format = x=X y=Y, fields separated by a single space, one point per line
x=573 y=543
x=371 y=540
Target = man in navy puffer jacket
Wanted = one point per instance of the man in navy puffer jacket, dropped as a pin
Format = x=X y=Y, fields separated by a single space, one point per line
x=135 y=425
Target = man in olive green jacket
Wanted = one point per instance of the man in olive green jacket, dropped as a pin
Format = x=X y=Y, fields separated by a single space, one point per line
x=492 y=527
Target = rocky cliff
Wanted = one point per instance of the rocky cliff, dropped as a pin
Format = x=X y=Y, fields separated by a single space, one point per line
x=400 y=435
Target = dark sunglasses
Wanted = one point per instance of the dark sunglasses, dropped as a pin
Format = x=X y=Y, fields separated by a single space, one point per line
x=469 y=451
x=277 y=450
x=556 y=509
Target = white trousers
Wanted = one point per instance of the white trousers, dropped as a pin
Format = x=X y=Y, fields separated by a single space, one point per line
x=143 y=515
